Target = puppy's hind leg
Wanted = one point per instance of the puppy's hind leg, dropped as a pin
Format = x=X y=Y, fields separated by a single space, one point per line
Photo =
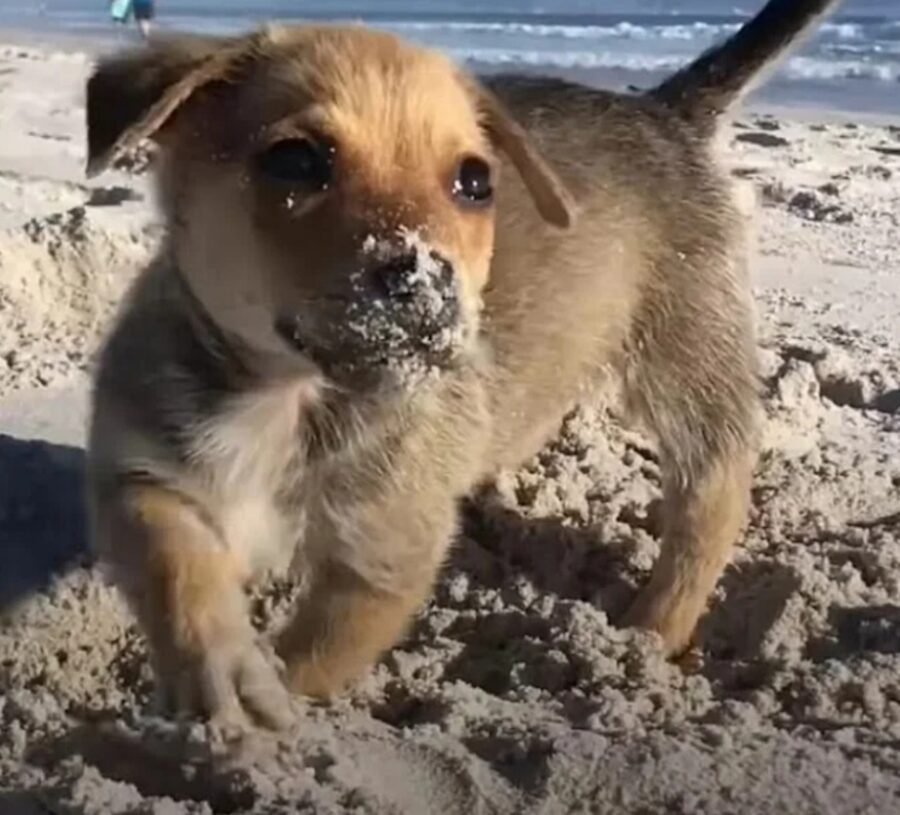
x=698 y=393
x=702 y=520
x=185 y=587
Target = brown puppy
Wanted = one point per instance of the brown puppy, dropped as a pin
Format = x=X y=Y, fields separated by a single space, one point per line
x=345 y=332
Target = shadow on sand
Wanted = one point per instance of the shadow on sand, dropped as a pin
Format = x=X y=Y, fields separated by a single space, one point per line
x=42 y=518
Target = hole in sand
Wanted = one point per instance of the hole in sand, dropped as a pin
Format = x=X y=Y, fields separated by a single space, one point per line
x=154 y=772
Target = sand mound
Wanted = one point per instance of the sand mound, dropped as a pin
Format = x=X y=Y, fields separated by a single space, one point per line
x=61 y=273
x=514 y=692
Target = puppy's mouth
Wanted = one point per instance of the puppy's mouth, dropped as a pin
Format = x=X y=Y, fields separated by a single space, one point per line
x=396 y=323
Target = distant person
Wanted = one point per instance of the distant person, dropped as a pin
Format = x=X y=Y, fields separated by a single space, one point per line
x=143 y=11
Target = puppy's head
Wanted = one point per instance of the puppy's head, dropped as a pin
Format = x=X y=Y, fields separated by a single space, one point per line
x=329 y=190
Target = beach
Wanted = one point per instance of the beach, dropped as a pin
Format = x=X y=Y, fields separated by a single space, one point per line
x=514 y=692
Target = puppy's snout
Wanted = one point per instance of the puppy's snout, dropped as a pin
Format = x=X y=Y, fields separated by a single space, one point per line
x=417 y=290
x=402 y=311
x=408 y=275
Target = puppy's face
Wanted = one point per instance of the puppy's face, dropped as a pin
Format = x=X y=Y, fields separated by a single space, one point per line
x=331 y=199
x=338 y=208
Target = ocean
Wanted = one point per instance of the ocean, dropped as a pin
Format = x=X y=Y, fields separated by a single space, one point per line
x=853 y=62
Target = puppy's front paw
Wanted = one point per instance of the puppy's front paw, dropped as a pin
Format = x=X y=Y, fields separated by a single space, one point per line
x=232 y=684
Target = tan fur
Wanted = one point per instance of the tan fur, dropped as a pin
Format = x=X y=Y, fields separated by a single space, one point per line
x=219 y=449
x=702 y=524
x=185 y=587
x=341 y=628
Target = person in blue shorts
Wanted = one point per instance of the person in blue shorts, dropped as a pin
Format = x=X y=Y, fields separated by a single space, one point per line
x=143 y=11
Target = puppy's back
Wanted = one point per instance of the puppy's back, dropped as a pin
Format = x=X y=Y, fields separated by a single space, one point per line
x=657 y=244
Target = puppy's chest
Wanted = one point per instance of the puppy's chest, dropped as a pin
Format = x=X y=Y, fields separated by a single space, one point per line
x=252 y=458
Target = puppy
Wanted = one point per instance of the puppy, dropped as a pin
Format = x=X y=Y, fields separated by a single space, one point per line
x=383 y=281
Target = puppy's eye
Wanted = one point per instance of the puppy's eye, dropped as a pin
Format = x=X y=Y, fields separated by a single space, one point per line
x=472 y=184
x=299 y=161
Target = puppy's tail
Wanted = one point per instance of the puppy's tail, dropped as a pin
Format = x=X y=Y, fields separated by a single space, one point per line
x=710 y=84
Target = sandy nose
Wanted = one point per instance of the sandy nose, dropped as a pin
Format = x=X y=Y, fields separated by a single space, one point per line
x=412 y=274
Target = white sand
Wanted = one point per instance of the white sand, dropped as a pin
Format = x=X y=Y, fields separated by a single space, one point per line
x=514 y=694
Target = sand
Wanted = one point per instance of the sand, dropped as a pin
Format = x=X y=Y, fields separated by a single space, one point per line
x=514 y=693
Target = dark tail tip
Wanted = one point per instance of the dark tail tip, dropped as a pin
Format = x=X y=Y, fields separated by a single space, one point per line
x=709 y=85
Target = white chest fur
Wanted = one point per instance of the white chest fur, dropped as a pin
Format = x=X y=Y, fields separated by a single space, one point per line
x=246 y=453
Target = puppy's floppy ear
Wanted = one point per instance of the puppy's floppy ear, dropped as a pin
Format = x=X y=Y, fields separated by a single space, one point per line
x=550 y=195
x=131 y=96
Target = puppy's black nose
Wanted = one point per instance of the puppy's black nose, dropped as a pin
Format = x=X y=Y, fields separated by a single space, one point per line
x=413 y=274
